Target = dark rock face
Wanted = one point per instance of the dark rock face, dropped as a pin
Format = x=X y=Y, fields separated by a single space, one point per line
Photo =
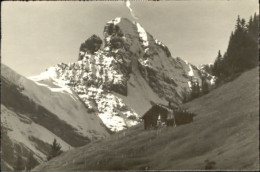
x=121 y=89
x=117 y=42
x=113 y=31
x=91 y=45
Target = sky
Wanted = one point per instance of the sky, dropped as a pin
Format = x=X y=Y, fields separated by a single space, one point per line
x=38 y=35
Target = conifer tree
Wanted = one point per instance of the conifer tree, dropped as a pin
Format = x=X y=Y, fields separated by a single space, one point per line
x=55 y=150
x=205 y=87
x=217 y=67
x=195 y=89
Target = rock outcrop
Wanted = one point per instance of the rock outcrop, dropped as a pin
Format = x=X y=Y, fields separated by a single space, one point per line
x=91 y=45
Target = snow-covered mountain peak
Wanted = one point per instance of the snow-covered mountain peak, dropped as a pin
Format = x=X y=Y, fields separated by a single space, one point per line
x=131 y=61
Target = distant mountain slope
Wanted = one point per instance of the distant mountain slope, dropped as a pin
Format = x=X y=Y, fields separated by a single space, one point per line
x=33 y=115
x=224 y=134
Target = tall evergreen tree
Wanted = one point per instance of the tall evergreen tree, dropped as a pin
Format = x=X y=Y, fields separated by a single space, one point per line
x=204 y=85
x=250 y=23
x=252 y=44
x=195 y=89
x=55 y=150
x=238 y=22
x=217 y=67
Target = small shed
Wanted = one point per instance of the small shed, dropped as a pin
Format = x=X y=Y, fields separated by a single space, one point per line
x=159 y=114
x=156 y=114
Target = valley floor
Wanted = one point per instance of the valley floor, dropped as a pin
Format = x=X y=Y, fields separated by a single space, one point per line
x=224 y=135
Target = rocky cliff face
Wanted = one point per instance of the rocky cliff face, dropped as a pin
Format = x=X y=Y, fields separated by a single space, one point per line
x=119 y=81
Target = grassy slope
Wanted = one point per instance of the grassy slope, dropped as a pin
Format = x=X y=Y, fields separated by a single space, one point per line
x=224 y=131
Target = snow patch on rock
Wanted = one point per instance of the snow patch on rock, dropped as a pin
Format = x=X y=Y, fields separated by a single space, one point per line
x=213 y=80
x=142 y=35
x=145 y=62
x=159 y=43
x=189 y=84
x=190 y=73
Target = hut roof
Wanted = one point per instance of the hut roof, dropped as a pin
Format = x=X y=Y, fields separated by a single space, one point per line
x=158 y=108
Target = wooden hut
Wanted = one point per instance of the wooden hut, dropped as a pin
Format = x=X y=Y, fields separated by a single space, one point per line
x=160 y=114
x=156 y=114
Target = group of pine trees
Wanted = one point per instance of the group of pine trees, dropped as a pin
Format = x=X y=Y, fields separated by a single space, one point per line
x=31 y=162
x=241 y=55
x=242 y=50
x=197 y=89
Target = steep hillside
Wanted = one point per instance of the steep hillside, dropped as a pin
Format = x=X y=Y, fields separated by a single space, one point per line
x=224 y=135
x=32 y=115
x=119 y=81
